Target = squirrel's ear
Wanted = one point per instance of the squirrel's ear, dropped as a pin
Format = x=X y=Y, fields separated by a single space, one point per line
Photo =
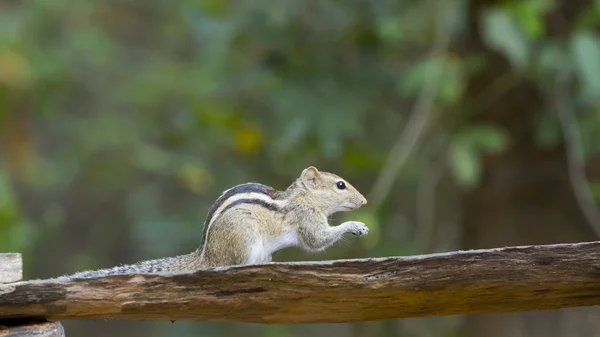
x=310 y=175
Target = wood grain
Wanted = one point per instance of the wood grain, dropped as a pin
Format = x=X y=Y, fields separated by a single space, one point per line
x=11 y=267
x=29 y=329
x=463 y=282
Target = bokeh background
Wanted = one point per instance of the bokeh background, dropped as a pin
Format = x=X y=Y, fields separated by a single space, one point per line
x=467 y=124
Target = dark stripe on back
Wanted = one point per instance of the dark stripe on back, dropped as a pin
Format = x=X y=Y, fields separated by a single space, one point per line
x=243 y=188
x=262 y=203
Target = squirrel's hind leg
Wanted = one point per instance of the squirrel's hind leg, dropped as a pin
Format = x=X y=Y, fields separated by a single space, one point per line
x=256 y=252
x=229 y=245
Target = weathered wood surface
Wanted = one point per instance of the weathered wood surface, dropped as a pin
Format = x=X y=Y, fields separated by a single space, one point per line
x=29 y=329
x=478 y=281
x=11 y=267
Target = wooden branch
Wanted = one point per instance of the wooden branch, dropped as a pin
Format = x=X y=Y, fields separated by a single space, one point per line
x=464 y=282
x=11 y=270
x=28 y=329
x=11 y=267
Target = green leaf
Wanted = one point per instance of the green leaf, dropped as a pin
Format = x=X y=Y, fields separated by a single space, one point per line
x=215 y=8
x=467 y=148
x=450 y=78
x=502 y=33
x=532 y=21
x=585 y=48
x=390 y=29
x=464 y=163
x=486 y=138
x=531 y=15
x=413 y=80
x=452 y=81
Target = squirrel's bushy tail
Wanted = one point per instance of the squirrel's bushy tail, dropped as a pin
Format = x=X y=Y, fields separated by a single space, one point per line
x=169 y=264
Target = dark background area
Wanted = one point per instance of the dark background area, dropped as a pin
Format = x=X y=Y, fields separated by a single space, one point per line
x=466 y=124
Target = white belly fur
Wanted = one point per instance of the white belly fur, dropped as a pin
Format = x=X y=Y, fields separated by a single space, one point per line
x=261 y=252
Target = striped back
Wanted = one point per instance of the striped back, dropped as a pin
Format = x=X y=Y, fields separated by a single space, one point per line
x=249 y=193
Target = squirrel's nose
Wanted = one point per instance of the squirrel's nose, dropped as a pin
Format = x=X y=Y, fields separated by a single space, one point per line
x=364 y=200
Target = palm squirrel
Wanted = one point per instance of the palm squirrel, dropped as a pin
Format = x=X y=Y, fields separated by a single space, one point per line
x=249 y=222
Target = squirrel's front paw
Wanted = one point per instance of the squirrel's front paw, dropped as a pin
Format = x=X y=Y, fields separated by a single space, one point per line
x=357 y=228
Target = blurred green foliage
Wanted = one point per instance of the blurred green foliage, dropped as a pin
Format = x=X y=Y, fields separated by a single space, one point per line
x=122 y=121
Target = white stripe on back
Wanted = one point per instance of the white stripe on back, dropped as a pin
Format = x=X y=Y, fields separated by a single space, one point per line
x=246 y=195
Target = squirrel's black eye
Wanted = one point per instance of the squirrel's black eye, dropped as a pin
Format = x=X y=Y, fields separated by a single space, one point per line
x=340 y=184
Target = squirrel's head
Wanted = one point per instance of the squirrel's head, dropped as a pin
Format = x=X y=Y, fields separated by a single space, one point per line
x=332 y=191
